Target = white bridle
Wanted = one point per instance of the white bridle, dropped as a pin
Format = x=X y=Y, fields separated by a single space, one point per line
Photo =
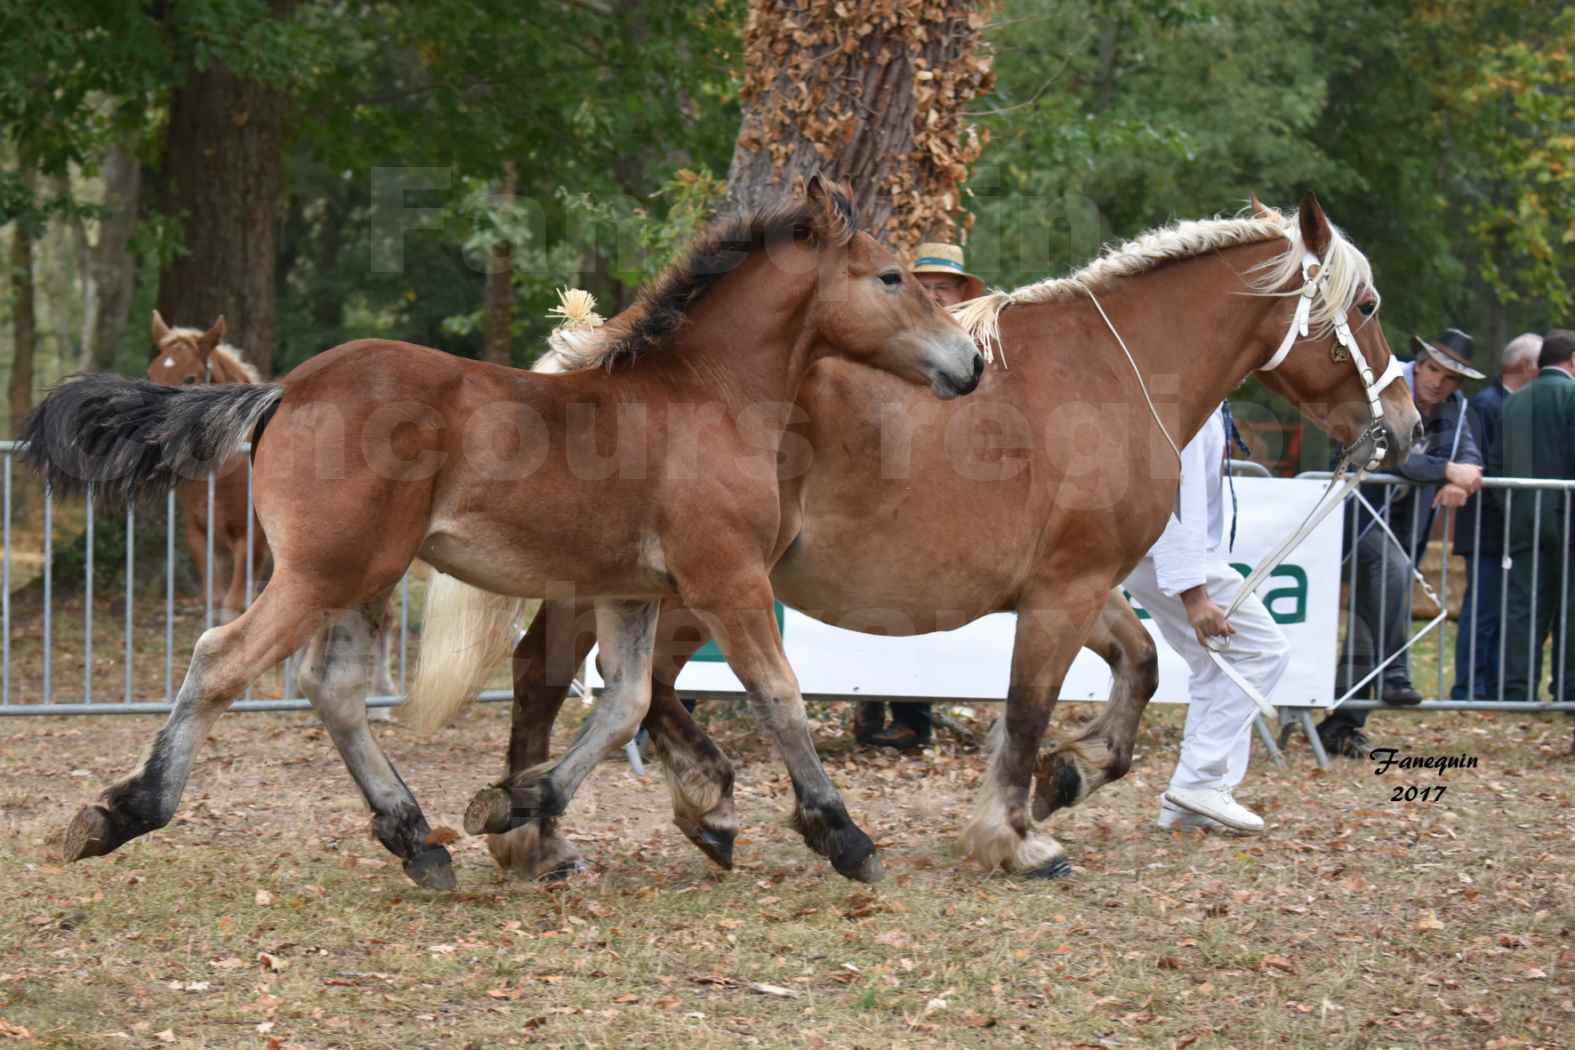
x=1313 y=279
x=1340 y=486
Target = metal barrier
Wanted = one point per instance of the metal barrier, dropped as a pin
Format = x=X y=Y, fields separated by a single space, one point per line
x=47 y=699
x=1503 y=695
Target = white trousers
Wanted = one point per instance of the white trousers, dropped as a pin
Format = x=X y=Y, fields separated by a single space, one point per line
x=1216 y=742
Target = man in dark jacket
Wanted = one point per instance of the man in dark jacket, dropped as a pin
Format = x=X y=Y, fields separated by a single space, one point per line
x=1447 y=470
x=1479 y=532
x=1539 y=442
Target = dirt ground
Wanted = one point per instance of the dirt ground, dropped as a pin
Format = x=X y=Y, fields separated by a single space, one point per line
x=265 y=916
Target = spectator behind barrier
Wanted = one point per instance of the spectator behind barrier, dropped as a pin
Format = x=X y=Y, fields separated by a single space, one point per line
x=1482 y=544
x=1447 y=469
x=1539 y=442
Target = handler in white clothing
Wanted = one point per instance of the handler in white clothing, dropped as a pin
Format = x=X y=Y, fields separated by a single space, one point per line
x=1185 y=583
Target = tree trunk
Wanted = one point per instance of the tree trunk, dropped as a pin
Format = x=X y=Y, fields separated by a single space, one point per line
x=23 y=326
x=222 y=175
x=112 y=267
x=498 y=337
x=875 y=99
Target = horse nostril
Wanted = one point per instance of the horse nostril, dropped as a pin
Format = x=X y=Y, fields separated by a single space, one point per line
x=978 y=365
x=1418 y=433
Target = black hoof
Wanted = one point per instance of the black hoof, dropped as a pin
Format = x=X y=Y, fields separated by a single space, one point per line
x=1056 y=787
x=1057 y=868
x=853 y=855
x=564 y=871
x=715 y=843
x=432 y=869
x=90 y=835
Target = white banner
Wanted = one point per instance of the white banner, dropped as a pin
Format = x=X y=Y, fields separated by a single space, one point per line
x=973 y=662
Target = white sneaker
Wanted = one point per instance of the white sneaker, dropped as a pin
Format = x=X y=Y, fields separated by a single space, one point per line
x=1174 y=818
x=1216 y=804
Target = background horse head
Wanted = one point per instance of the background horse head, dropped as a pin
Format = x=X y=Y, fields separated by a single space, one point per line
x=186 y=356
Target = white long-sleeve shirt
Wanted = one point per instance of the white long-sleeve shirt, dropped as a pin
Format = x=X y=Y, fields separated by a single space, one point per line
x=1178 y=554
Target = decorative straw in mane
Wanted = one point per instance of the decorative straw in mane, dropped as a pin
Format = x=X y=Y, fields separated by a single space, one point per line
x=1346 y=270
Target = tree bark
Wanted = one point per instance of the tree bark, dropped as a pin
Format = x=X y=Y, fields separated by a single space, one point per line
x=23 y=326
x=112 y=267
x=875 y=99
x=222 y=175
x=498 y=334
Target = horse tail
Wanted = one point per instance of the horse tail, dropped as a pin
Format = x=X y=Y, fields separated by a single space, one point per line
x=465 y=631
x=130 y=438
x=981 y=319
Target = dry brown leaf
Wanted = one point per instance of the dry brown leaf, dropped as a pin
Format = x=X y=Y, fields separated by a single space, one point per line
x=442 y=835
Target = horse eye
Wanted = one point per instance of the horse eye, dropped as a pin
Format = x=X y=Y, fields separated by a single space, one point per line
x=1367 y=308
x=891 y=278
x=189 y=380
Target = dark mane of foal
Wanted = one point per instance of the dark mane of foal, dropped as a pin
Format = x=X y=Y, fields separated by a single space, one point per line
x=662 y=307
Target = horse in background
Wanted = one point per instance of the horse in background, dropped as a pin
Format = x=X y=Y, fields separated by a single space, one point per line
x=192 y=357
x=187 y=357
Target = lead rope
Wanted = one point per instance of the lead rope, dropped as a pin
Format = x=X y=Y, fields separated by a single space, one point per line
x=1142 y=385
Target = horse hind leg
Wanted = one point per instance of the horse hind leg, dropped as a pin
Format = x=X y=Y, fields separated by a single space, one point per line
x=626 y=632
x=223 y=662
x=1102 y=752
x=537 y=849
x=333 y=676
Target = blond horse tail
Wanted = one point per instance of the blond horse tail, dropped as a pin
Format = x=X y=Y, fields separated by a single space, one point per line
x=465 y=632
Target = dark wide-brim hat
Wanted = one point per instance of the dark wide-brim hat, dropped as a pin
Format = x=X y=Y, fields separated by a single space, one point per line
x=1450 y=351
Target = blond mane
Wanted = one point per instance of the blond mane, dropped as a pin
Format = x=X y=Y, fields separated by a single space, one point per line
x=230 y=354
x=1346 y=270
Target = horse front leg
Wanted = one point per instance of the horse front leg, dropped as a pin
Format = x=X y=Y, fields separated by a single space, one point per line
x=738 y=612
x=1051 y=624
x=1102 y=752
x=545 y=661
x=699 y=775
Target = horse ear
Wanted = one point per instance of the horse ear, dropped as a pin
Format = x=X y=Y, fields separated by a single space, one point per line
x=833 y=210
x=160 y=330
x=1259 y=209
x=211 y=339
x=1316 y=233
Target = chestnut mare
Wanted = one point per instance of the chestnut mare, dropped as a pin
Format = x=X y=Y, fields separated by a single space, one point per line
x=375 y=451
x=187 y=357
x=1035 y=496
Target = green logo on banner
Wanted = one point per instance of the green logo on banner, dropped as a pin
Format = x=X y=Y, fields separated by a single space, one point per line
x=1286 y=603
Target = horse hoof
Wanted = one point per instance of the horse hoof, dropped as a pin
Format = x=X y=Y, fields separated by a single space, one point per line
x=715 y=843
x=867 y=870
x=489 y=812
x=1056 y=787
x=564 y=871
x=1056 y=868
x=89 y=835
x=432 y=869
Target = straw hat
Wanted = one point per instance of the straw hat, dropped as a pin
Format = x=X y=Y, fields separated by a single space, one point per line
x=1450 y=351
x=935 y=257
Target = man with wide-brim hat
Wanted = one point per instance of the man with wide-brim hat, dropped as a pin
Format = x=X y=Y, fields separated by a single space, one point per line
x=1446 y=470
x=940 y=269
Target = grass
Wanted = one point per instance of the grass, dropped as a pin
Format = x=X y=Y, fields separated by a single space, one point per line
x=266 y=917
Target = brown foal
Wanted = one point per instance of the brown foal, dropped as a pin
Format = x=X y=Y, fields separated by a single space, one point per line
x=1035 y=495
x=657 y=479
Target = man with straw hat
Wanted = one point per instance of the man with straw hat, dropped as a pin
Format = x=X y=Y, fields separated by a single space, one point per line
x=940 y=269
